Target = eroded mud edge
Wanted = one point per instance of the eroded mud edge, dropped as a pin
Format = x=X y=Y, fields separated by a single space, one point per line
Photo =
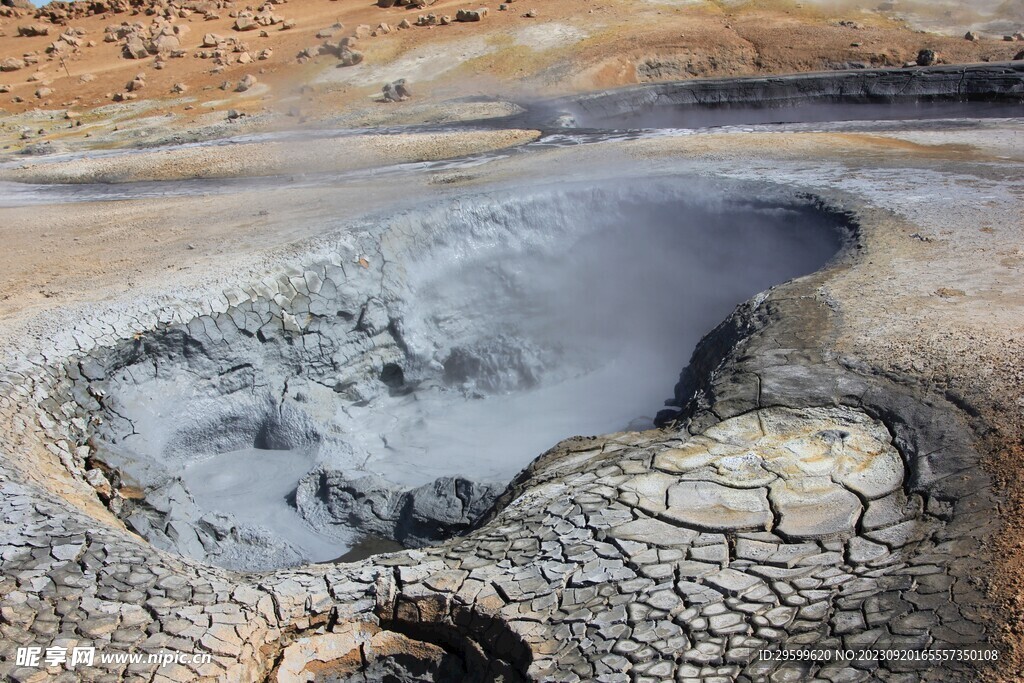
x=974 y=82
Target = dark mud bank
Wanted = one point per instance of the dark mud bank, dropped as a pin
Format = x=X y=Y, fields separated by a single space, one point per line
x=653 y=105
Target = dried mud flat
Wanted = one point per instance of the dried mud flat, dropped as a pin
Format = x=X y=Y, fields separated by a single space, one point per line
x=840 y=468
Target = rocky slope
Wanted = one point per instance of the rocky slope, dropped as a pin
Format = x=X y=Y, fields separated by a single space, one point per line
x=76 y=73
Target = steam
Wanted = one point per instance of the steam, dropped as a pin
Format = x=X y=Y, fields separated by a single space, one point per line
x=549 y=329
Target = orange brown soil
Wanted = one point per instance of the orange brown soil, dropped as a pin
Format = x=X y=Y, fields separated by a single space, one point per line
x=569 y=46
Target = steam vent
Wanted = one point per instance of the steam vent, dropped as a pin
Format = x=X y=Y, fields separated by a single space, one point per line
x=632 y=343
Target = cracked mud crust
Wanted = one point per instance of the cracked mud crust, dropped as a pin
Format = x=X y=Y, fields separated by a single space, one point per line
x=839 y=468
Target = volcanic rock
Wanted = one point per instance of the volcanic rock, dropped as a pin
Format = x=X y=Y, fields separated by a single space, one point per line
x=12 y=64
x=245 y=83
x=350 y=57
x=34 y=30
x=471 y=14
x=396 y=91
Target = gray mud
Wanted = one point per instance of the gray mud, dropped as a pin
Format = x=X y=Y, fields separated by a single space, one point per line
x=936 y=92
x=396 y=392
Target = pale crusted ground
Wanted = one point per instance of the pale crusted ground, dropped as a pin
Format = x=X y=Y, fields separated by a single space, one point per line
x=939 y=294
x=267 y=158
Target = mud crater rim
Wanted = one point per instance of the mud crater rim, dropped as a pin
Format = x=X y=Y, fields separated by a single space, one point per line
x=282 y=413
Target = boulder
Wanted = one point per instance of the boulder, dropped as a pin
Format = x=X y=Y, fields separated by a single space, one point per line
x=211 y=40
x=135 y=48
x=1019 y=56
x=44 y=92
x=34 y=30
x=363 y=31
x=12 y=64
x=166 y=43
x=245 y=83
x=972 y=36
x=926 y=57
x=471 y=14
x=396 y=91
x=417 y=517
x=246 y=22
x=350 y=57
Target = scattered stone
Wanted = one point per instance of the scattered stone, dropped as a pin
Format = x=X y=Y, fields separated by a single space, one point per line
x=165 y=43
x=245 y=83
x=135 y=48
x=350 y=57
x=245 y=22
x=468 y=15
x=396 y=91
x=34 y=30
x=12 y=64
x=179 y=88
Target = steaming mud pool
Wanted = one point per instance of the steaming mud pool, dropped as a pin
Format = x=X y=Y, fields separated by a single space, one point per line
x=475 y=336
